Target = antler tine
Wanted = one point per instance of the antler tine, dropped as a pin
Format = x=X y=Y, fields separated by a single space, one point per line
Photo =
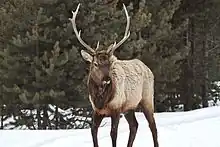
x=97 y=46
x=127 y=32
x=73 y=21
x=110 y=47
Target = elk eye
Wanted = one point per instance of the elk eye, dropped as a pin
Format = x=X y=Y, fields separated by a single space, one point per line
x=95 y=64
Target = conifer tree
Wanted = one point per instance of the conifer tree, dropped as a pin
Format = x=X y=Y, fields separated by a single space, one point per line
x=34 y=74
x=200 y=62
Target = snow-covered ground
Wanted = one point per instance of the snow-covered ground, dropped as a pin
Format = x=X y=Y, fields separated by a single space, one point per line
x=198 y=128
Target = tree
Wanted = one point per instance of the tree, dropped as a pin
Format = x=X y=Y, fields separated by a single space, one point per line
x=196 y=67
x=34 y=75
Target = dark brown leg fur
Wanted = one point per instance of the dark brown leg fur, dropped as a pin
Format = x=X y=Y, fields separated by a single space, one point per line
x=149 y=114
x=97 y=119
x=133 y=126
x=114 y=127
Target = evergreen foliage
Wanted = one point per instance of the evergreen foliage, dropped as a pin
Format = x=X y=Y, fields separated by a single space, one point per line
x=43 y=77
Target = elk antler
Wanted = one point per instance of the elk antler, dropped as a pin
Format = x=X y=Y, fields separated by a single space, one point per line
x=126 y=35
x=97 y=46
x=73 y=21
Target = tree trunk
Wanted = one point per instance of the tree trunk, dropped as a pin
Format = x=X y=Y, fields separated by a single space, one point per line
x=56 y=118
x=38 y=118
x=204 y=65
x=188 y=82
x=46 y=122
x=2 y=117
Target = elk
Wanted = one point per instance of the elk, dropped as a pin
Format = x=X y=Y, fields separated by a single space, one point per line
x=117 y=87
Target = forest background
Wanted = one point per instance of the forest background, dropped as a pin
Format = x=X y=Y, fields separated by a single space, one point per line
x=43 y=76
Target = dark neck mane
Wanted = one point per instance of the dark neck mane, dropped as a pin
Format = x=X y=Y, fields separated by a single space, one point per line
x=101 y=95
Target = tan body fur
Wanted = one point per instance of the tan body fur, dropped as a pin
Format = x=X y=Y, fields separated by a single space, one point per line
x=134 y=83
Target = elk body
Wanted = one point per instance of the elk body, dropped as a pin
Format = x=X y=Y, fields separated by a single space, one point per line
x=118 y=86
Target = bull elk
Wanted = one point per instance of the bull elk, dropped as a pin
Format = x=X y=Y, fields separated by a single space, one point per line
x=117 y=86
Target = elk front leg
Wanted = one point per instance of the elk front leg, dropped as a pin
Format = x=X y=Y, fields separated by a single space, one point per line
x=97 y=119
x=114 y=128
x=133 y=126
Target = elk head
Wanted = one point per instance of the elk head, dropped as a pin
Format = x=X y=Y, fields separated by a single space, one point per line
x=100 y=60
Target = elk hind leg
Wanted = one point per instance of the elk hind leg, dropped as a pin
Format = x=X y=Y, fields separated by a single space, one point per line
x=133 y=126
x=148 y=111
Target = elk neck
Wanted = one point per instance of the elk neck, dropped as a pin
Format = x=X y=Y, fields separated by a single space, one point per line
x=101 y=94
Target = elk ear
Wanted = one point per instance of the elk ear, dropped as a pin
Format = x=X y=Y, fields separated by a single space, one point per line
x=86 y=56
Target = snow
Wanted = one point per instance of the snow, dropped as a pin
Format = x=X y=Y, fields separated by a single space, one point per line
x=198 y=128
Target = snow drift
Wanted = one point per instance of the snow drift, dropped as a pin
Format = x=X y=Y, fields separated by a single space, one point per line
x=198 y=128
